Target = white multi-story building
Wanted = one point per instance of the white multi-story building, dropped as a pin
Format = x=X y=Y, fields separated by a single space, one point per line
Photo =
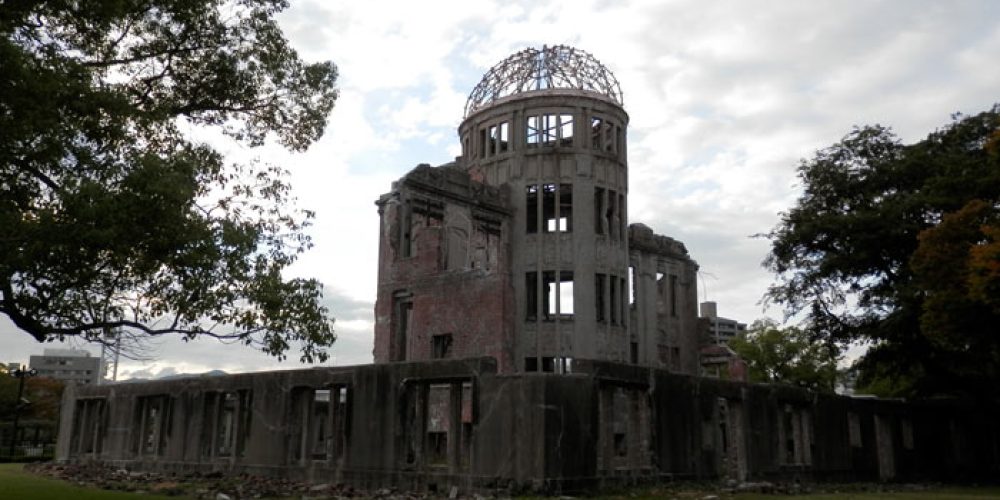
x=71 y=365
x=720 y=329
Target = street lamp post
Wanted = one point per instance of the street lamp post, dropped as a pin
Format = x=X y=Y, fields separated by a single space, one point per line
x=21 y=373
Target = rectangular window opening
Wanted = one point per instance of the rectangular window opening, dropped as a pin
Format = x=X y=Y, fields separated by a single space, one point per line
x=613 y=295
x=319 y=424
x=608 y=137
x=600 y=281
x=854 y=430
x=611 y=215
x=673 y=295
x=504 y=138
x=556 y=221
x=548 y=364
x=402 y=316
x=531 y=296
x=531 y=364
x=441 y=346
x=558 y=296
x=596 y=125
x=494 y=138
x=622 y=222
x=599 y=211
x=531 y=209
x=631 y=286
x=534 y=131
x=622 y=301
x=634 y=352
x=565 y=130
x=550 y=130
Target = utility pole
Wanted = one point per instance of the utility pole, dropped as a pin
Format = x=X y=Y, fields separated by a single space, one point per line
x=21 y=373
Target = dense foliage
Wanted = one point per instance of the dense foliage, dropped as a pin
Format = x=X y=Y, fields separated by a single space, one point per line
x=112 y=216
x=897 y=246
x=786 y=356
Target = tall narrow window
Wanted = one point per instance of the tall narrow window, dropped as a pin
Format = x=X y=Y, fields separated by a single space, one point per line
x=603 y=135
x=405 y=219
x=531 y=296
x=596 y=124
x=613 y=299
x=609 y=215
x=549 y=208
x=673 y=295
x=598 y=210
x=608 y=139
x=402 y=316
x=483 y=140
x=631 y=286
x=531 y=209
x=534 y=131
x=565 y=130
x=550 y=130
x=504 y=137
x=620 y=210
x=565 y=207
x=622 y=299
x=599 y=285
x=494 y=138
x=634 y=354
x=566 y=293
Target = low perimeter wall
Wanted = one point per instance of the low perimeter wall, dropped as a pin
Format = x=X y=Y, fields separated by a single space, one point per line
x=457 y=423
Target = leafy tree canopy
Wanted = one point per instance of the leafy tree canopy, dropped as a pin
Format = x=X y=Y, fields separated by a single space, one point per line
x=42 y=393
x=897 y=246
x=111 y=215
x=786 y=356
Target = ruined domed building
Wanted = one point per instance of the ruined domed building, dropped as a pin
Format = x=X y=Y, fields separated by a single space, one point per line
x=520 y=250
x=526 y=338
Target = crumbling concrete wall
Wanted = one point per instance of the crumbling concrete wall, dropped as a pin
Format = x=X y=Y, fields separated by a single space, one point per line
x=461 y=423
x=444 y=286
x=664 y=315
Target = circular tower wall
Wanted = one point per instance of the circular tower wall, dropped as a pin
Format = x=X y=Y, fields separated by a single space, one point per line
x=550 y=126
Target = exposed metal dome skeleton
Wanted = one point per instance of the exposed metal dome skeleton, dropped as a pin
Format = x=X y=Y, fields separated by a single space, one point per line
x=557 y=67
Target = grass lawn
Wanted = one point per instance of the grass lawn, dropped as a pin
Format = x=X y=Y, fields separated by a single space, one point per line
x=902 y=493
x=930 y=494
x=17 y=484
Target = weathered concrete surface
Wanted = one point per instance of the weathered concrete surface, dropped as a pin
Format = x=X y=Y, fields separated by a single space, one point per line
x=521 y=250
x=434 y=425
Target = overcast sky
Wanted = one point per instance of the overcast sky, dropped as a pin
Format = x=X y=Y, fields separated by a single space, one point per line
x=724 y=99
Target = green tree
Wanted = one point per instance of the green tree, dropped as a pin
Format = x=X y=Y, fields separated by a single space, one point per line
x=43 y=393
x=112 y=216
x=786 y=356
x=844 y=255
